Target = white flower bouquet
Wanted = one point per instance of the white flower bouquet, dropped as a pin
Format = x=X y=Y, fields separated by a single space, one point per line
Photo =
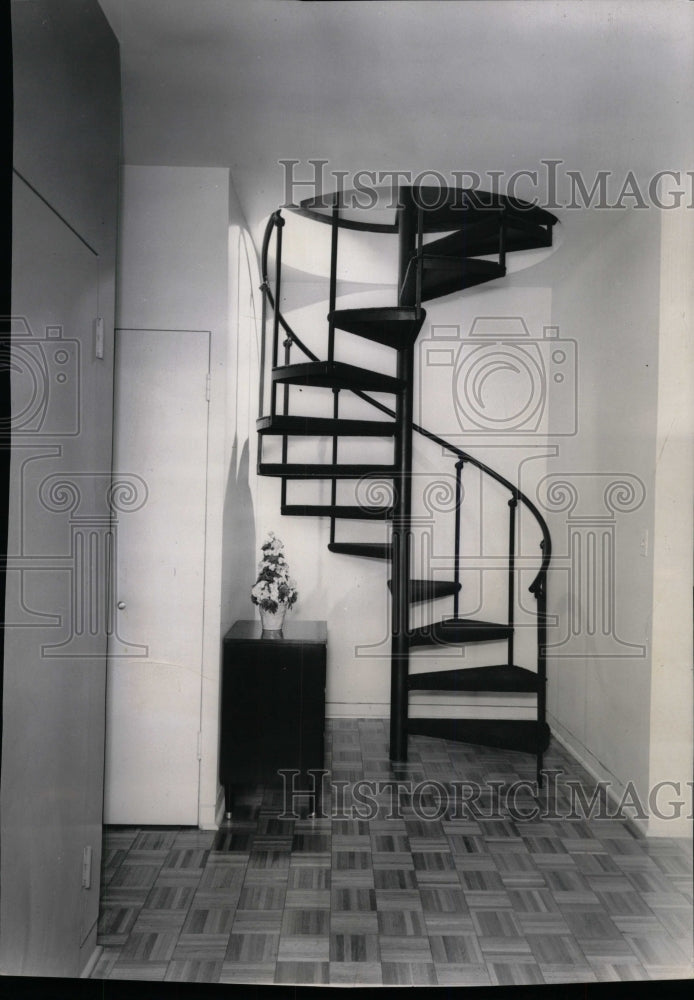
x=274 y=588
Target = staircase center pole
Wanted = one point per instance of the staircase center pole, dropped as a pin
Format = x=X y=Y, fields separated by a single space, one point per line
x=402 y=514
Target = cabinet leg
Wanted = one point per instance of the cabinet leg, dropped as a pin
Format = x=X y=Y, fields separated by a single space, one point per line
x=228 y=799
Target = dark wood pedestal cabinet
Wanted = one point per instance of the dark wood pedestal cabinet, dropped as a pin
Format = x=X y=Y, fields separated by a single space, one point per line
x=273 y=706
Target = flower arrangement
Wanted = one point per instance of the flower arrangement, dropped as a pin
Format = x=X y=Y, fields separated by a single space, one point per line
x=274 y=588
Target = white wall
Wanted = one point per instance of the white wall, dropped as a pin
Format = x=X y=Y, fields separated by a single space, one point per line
x=239 y=548
x=174 y=276
x=607 y=299
x=671 y=744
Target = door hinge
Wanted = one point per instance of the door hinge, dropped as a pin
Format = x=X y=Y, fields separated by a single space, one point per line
x=199 y=746
x=208 y=385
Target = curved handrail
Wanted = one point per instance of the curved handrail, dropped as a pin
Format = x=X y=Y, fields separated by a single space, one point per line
x=537 y=585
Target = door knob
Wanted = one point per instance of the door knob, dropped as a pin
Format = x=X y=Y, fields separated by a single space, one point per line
x=121 y=605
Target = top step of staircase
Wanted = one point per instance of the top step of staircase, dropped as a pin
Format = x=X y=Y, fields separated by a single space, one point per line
x=444 y=208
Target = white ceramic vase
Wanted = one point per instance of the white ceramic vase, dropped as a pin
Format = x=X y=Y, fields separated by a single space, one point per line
x=273 y=621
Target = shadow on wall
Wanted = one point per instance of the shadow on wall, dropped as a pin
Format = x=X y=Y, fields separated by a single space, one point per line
x=239 y=556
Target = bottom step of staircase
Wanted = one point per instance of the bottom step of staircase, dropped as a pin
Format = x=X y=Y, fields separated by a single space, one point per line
x=525 y=735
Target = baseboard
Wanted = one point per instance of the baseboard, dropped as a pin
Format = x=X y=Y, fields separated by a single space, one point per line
x=421 y=708
x=90 y=965
x=219 y=811
x=210 y=817
x=582 y=756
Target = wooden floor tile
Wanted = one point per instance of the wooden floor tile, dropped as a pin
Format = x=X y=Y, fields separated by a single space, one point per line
x=557 y=973
x=149 y=946
x=514 y=972
x=160 y=920
x=193 y=971
x=116 y=923
x=300 y=877
x=257 y=921
x=153 y=840
x=469 y=893
x=462 y=975
x=304 y=948
x=395 y=878
x=170 y=898
x=398 y=948
x=355 y=974
x=302 y=973
x=199 y=948
x=402 y=923
x=455 y=949
x=208 y=920
x=354 y=948
x=352 y=900
x=248 y=973
x=408 y=973
x=252 y=948
x=150 y=971
x=263 y=897
x=616 y=970
x=555 y=949
x=448 y=924
x=135 y=876
x=443 y=899
x=359 y=922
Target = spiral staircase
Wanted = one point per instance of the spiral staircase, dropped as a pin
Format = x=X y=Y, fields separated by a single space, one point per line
x=476 y=226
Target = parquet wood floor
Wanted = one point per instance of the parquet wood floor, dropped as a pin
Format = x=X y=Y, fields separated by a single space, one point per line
x=411 y=888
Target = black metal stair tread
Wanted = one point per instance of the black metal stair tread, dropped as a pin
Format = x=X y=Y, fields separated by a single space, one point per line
x=525 y=735
x=492 y=678
x=372 y=550
x=458 y=631
x=303 y=470
x=325 y=426
x=341 y=511
x=483 y=238
x=457 y=208
x=443 y=275
x=393 y=326
x=443 y=209
x=429 y=590
x=336 y=375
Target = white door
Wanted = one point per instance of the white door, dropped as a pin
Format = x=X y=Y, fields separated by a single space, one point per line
x=155 y=649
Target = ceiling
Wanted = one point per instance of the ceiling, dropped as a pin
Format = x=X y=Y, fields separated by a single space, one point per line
x=447 y=86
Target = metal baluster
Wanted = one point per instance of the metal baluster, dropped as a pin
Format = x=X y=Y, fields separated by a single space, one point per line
x=287 y=344
x=420 y=257
x=335 y=217
x=276 y=325
x=458 y=502
x=512 y=504
x=333 y=482
x=541 y=596
x=502 y=239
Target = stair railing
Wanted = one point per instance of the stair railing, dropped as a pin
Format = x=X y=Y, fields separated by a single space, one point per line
x=538 y=587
